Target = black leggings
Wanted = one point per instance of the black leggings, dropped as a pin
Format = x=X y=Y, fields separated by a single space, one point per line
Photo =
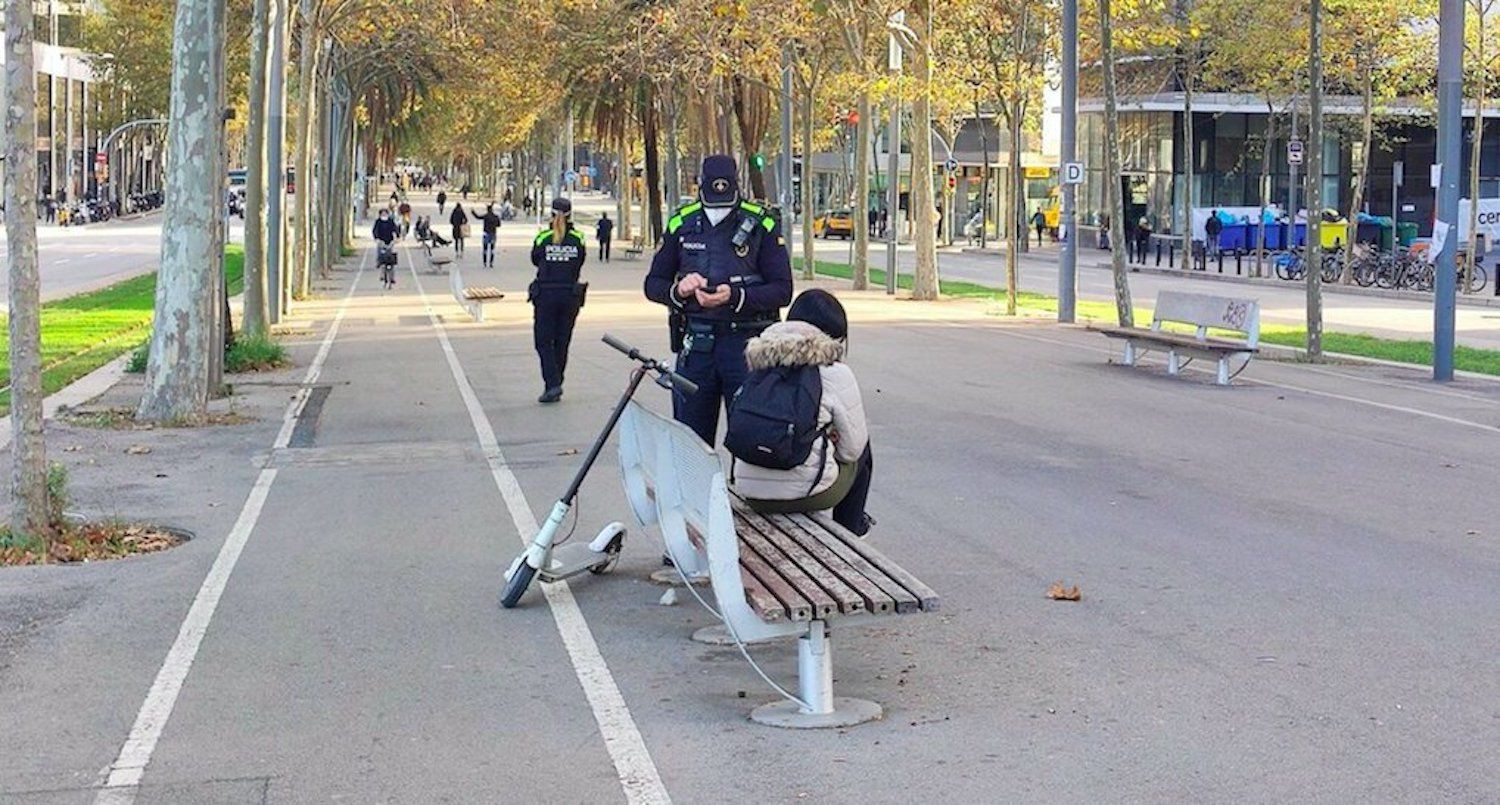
x=850 y=513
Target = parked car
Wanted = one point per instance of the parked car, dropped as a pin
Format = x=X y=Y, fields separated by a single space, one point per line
x=833 y=223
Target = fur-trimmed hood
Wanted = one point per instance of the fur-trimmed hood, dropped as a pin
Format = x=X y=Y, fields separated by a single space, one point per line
x=792 y=343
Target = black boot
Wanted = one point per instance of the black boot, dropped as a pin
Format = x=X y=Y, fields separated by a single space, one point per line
x=551 y=395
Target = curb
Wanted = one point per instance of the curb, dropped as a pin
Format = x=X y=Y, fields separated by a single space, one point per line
x=76 y=393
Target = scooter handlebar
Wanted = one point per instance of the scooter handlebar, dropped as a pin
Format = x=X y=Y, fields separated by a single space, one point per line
x=631 y=352
x=678 y=381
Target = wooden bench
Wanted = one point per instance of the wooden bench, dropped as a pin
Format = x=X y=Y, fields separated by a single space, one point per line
x=1201 y=311
x=471 y=298
x=771 y=575
x=636 y=248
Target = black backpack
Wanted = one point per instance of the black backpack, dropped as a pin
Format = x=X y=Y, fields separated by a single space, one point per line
x=773 y=419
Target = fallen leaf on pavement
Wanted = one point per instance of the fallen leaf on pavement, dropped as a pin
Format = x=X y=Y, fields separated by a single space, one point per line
x=571 y=451
x=1057 y=592
x=137 y=450
x=72 y=448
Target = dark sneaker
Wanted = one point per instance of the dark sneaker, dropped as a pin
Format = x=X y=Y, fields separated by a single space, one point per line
x=551 y=395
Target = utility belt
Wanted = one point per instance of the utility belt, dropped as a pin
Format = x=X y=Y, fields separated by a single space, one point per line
x=699 y=334
x=578 y=289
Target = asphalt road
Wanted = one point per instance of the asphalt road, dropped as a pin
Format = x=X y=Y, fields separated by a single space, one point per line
x=1289 y=586
x=78 y=259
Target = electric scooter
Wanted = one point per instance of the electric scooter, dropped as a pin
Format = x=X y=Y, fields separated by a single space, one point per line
x=599 y=555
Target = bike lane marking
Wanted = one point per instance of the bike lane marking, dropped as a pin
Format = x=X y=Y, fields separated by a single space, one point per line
x=125 y=773
x=639 y=777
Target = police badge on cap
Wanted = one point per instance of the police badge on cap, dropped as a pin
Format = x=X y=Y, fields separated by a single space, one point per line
x=720 y=187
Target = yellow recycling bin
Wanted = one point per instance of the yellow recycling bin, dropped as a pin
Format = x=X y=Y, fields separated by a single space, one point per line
x=1333 y=235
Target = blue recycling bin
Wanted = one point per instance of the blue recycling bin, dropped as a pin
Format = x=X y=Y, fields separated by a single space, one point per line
x=1234 y=237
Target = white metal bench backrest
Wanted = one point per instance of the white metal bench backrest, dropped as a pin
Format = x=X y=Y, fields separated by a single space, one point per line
x=679 y=472
x=1205 y=311
x=689 y=488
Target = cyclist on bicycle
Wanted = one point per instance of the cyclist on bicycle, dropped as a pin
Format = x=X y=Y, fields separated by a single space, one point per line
x=385 y=233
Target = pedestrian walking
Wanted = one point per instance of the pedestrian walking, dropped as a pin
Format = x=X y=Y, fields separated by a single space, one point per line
x=464 y=190
x=1039 y=222
x=724 y=273
x=836 y=472
x=556 y=295
x=604 y=231
x=1143 y=230
x=404 y=211
x=459 y=220
x=490 y=222
x=442 y=200
x=873 y=226
x=1212 y=228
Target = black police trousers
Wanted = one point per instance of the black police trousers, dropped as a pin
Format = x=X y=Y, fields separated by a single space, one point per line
x=555 y=311
x=719 y=370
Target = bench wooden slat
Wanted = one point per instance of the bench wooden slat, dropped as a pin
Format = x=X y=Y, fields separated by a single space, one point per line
x=882 y=593
x=1175 y=339
x=793 y=605
x=927 y=599
x=476 y=292
x=849 y=600
x=751 y=541
x=761 y=599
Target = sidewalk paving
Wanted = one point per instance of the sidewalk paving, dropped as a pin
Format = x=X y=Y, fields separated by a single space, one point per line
x=1289 y=586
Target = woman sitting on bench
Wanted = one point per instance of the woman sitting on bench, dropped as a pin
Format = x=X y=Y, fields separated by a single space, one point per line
x=835 y=475
x=425 y=232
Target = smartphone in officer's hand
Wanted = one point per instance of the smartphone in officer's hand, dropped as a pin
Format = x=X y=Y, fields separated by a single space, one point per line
x=719 y=296
x=690 y=284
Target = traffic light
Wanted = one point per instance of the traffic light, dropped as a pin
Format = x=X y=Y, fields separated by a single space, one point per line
x=757 y=161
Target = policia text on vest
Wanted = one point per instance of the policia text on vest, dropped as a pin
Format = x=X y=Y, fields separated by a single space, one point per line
x=745 y=278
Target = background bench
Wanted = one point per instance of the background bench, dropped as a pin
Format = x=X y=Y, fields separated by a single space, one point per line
x=771 y=575
x=471 y=298
x=636 y=248
x=1201 y=311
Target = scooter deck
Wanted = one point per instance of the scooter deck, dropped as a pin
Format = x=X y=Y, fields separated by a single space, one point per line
x=570 y=560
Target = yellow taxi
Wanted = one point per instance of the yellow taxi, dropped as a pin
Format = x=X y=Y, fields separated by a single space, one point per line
x=834 y=223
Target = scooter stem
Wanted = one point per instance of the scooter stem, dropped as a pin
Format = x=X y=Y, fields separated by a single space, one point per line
x=614 y=418
x=541 y=545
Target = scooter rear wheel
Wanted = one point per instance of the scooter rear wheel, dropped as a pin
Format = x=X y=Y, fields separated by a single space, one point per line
x=516 y=587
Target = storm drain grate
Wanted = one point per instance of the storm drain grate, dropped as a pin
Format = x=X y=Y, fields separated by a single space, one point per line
x=305 y=432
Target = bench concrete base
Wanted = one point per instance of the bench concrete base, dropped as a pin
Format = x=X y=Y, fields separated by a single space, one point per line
x=847 y=712
x=669 y=577
x=718 y=635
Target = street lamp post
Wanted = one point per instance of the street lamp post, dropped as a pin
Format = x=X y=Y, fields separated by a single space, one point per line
x=893 y=148
x=1067 y=273
x=1450 y=148
x=984 y=172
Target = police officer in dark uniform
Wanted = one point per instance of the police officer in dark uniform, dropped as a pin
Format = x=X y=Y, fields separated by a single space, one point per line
x=556 y=295
x=724 y=273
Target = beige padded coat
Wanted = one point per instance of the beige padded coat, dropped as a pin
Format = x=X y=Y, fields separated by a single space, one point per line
x=795 y=343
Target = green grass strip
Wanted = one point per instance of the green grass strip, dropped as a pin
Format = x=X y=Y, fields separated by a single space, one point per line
x=83 y=332
x=1364 y=345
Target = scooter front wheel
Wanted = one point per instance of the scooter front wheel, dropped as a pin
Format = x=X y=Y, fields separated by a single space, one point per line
x=516 y=587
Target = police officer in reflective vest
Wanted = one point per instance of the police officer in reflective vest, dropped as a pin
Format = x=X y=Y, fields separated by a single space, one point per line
x=556 y=295
x=723 y=268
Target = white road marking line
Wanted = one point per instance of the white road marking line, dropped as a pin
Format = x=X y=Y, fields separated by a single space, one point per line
x=91 y=254
x=124 y=779
x=59 y=261
x=622 y=738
